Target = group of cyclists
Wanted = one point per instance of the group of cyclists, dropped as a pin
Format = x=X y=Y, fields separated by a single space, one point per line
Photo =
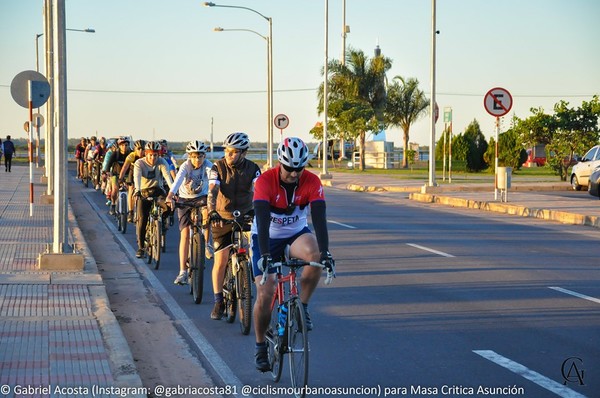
x=279 y=200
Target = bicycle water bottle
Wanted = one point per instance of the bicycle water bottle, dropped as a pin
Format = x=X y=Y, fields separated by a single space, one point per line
x=282 y=319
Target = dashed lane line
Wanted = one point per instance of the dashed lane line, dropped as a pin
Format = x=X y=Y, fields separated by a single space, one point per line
x=572 y=293
x=430 y=250
x=540 y=380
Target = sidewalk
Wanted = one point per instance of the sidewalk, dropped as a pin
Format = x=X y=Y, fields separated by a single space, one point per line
x=58 y=335
x=526 y=197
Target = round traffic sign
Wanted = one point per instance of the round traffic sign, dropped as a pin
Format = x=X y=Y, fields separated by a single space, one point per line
x=38 y=120
x=40 y=89
x=281 y=121
x=497 y=102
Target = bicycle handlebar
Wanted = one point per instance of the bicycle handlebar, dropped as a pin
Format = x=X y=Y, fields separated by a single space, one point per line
x=297 y=263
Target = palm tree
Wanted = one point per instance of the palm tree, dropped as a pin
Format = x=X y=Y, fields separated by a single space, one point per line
x=356 y=95
x=405 y=105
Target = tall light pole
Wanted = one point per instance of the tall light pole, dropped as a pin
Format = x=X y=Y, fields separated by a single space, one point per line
x=269 y=80
x=432 y=182
x=345 y=31
x=269 y=103
x=49 y=151
x=325 y=174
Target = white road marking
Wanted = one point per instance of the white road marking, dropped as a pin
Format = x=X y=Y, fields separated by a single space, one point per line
x=341 y=224
x=572 y=293
x=540 y=380
x=430 y=250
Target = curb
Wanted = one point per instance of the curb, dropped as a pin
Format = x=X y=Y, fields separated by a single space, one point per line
x=545 y=214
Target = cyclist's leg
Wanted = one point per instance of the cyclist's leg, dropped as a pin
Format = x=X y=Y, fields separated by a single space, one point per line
x=222 y=242
x=264 y=293
x=143 y=210
x=184 y=241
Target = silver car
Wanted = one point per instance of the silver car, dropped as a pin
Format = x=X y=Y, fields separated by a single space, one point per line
x=580 y=174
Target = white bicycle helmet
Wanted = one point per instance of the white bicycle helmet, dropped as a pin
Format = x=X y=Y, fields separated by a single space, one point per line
x=292 y=152
x=196 y=146
x=153 y=146
x=237 y=141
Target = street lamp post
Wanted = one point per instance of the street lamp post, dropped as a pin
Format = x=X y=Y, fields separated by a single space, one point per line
x=269 y=79
x=50 y=104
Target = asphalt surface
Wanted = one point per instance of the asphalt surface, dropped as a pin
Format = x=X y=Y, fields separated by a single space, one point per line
x=56 y=327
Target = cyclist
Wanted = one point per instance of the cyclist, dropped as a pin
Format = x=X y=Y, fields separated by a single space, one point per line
x=168 y=156
x=191 y=185
x=281 y=199
x=127 y=174
x=90 y=152
x=231 y=183
x=113 y=163
x=148 y=174
x=79 y=152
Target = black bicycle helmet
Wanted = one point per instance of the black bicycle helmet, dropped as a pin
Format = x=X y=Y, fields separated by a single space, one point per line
x=237 y=141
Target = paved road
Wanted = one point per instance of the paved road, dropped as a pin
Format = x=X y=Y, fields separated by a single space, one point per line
x=429 y=297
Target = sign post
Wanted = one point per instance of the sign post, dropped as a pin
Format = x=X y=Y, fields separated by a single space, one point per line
x=30 y=89
x=497 y=102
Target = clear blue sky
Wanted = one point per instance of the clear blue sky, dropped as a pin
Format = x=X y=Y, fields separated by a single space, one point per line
x=155 y=68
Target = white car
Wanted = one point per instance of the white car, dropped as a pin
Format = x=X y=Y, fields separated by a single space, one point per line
x=580 y=174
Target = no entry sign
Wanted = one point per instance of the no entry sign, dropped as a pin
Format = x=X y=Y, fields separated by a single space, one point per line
x=497 y=102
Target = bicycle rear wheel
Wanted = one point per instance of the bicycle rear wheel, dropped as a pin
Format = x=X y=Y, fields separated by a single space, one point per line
x=229 y=294
x=244 y=296
x=156 y=242
x=275 y=349
x=197 y=266
x=298 y=347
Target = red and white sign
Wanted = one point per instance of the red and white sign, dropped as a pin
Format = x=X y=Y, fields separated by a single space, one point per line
x=497 y=102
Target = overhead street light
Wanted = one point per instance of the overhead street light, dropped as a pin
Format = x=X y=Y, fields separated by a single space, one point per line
x=270 y=75
x=38 y=35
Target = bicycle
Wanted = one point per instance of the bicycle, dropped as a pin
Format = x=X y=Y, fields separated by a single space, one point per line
x=287 y=333
x=196 y=260
x=85 y=178
x=121 y=209
x=154 y=234
x=237 y=285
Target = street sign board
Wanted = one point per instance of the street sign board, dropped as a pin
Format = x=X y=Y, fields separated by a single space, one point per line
x=281 y=121
x=40 y=89
x=447 y=115
x=497 y=102
x=38 y=120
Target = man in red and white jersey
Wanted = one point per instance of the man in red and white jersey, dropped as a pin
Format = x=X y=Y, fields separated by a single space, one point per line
x=282 y=197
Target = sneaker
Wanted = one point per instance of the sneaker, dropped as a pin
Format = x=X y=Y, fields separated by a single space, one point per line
x=209 y=251
x=308 y=321
x=182 y=278
x=218 y=311
x=261 y=359
x=139 y=253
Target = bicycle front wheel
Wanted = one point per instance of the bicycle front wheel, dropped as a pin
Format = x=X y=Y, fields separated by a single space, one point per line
x=197 y=266
x=244 y=296
x=298 y=347
x=149 y=240
x=156 y=243
x=275 y=347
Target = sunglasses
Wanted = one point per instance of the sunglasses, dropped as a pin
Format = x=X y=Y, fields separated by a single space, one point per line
x=292 y=169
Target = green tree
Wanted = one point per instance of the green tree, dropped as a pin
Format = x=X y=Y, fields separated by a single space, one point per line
x=510 y=151
x=477 y=147
x=357 y=95
x=406 y=103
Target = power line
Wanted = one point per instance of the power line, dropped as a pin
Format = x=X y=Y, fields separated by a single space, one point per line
x=290 y=90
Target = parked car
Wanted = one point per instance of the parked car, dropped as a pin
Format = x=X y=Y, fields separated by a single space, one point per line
x=580 y=173
x=594 y=184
